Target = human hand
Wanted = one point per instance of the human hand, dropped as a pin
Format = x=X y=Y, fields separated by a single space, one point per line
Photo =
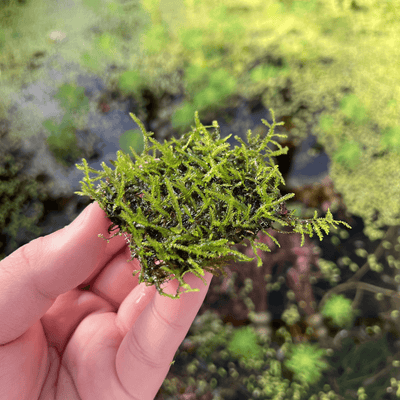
x=115 y=341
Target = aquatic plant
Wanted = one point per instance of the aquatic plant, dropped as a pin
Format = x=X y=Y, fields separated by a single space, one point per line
x=339 y=309
x=244 y=343
x=306 y=363
x=182 y=211
x=21 y=200
x=62 y=140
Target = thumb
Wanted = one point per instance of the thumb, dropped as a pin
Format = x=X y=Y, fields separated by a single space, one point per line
x=33 y=276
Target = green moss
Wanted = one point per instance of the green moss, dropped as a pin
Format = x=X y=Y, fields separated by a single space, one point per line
x=339 y=309
x=17 y=191
x=181 y=212
x=244 y=344
x=306 y=363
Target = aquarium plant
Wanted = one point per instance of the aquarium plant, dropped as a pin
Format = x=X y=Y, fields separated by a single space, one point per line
x=244 y=343
x=338 y=308
x=306 y=363
x=182 y=210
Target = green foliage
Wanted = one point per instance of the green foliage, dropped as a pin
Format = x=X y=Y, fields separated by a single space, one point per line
x=291 y=315
x=105 y=44
x=220 y=85
x=155 y=39
x=361 y=361
x=339 y=309
x=93 y=4
x=192 y=38
x=73 y=98
x=62 y=140
x=130 y=81
x=353 y=109
x=182 y=116
x=185 y=209
x=264 y=377
x=132 y=138
x=244 y=343
x=206 y=88
x=306 y=363
x=264 y=72
x=16 y=191
x=349 y=154
x=391 y=139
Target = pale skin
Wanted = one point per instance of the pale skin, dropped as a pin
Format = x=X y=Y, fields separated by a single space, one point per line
x=115 y=341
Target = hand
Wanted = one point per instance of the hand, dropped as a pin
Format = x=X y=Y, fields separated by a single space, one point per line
x=115 y=341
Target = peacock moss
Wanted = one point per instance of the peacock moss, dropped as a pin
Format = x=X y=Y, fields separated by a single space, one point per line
x=181 y=211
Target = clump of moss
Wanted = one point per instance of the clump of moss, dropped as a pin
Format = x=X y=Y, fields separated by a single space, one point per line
x=181 y=212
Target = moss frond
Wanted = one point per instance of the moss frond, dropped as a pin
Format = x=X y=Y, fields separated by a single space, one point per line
x=185 y=210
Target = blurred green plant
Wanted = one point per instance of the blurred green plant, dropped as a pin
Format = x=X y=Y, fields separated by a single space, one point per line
x=131 y=82
x=16 y=192
x=264 y=72
x=206 y=89
x=132 y=138
x=244 y=343
x=339 y=309
x=391 y=139
x=155 y=38
x=349 y=154
x=73 y=99
x=352 y=107
x=304 y=360
x=62 y=140
x=358 y=365
x=326 y=123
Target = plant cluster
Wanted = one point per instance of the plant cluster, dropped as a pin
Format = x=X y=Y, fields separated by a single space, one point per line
x=183 y=211
x=62 y=140
x=19 y=195
x=217 y=361
x=339 y=309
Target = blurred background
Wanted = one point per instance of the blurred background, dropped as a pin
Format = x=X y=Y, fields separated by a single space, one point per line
x=72 y=70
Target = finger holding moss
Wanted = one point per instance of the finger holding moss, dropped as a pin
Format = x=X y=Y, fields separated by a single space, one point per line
x=184 y=210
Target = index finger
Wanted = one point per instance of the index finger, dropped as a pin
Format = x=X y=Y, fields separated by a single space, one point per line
x=146 y=352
